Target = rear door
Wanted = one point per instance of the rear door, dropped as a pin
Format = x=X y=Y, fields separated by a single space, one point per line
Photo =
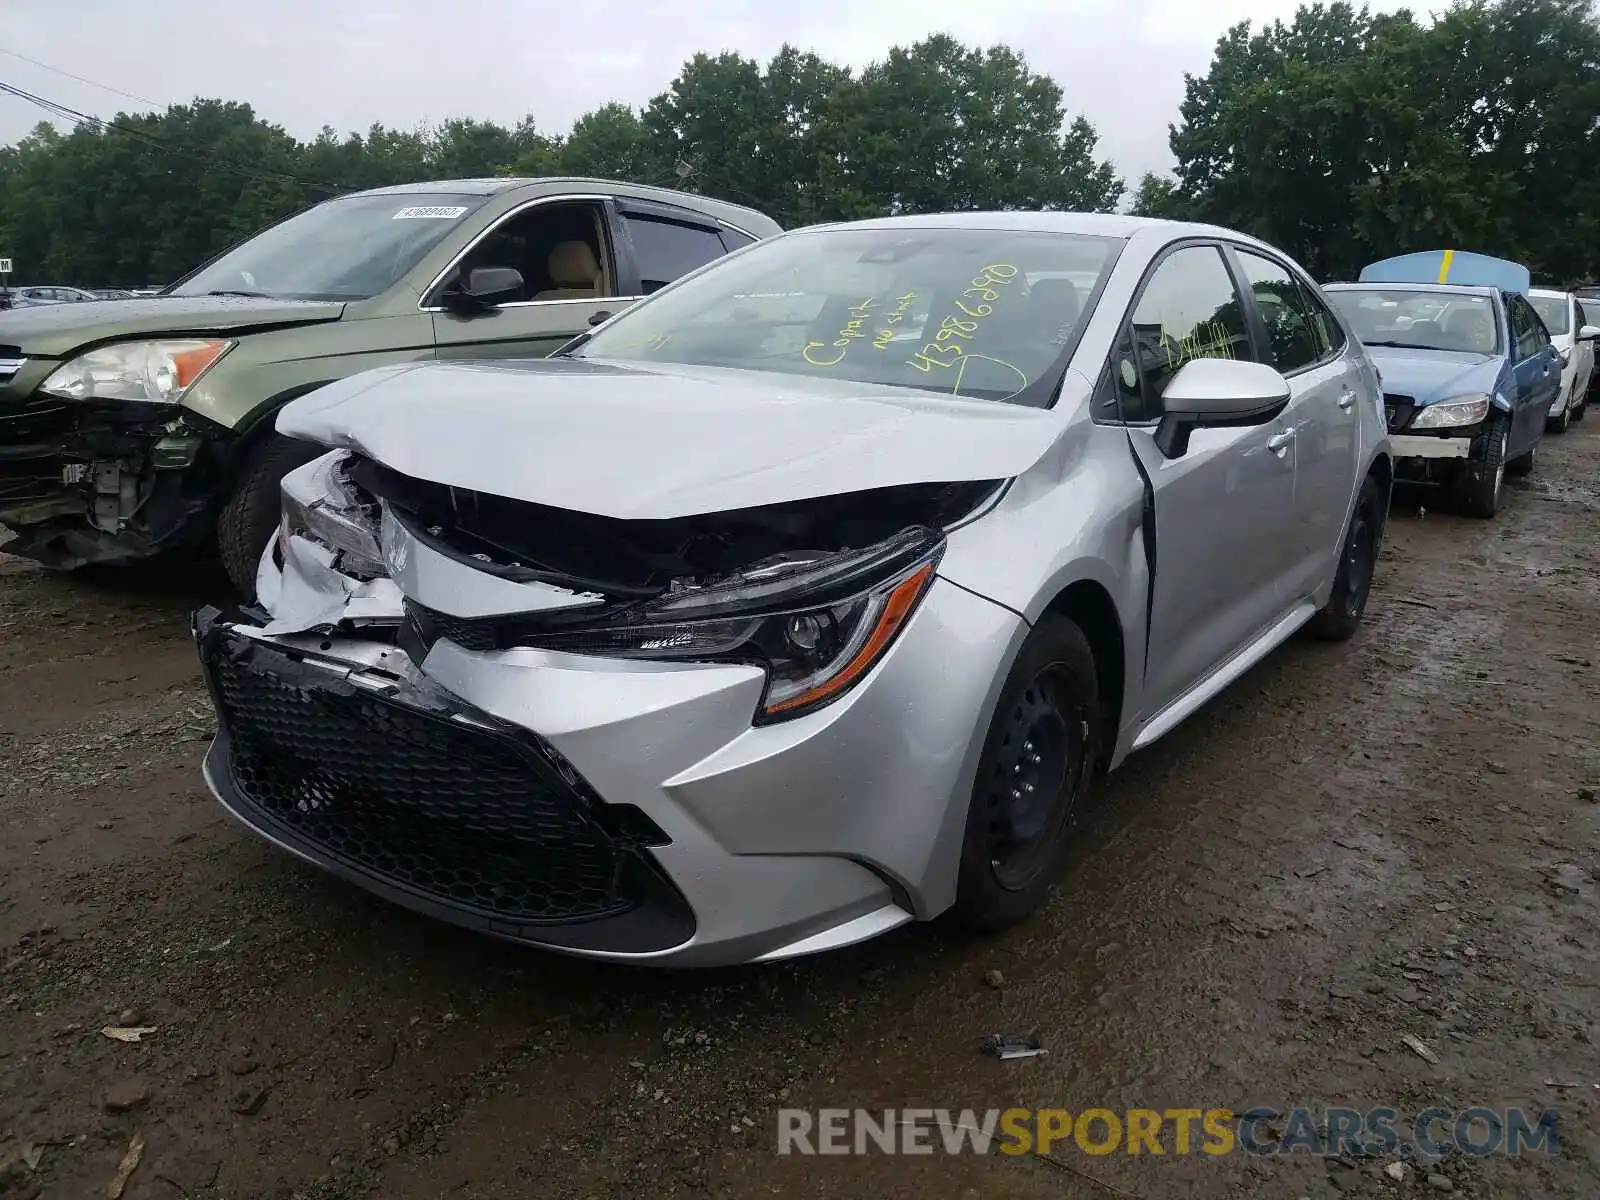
x=1300 y=339
x=1226 y=545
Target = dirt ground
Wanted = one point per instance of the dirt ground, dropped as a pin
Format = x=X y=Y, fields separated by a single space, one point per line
x=1396 y=836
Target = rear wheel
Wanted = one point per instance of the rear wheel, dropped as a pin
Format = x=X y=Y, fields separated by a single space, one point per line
x=1582 y=406
x=1038 y=758
x=250 y=518
x=1483 y=476
x=1358 y=561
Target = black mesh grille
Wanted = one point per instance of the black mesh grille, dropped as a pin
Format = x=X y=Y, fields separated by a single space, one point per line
x=476 y=819
x=430 y=625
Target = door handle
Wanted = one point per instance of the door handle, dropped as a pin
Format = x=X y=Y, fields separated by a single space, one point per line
x=1347 y=400
x=1279 y=442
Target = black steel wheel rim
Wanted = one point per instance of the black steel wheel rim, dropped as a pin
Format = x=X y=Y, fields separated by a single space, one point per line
x=1360 y=551
x=1035 y=779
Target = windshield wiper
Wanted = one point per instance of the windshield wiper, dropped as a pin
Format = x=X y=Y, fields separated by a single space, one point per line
x=233 y=292
x=1402 y=345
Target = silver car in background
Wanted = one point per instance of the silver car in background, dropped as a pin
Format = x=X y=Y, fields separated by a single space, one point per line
x=1574 y=329
x=805 y=598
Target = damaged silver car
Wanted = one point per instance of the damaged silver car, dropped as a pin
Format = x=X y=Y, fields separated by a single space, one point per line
x=805 y=598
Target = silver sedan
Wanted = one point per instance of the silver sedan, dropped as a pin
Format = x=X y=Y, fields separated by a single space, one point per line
x=805 y=598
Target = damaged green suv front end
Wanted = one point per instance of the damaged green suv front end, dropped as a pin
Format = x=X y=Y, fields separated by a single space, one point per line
x=119 y=426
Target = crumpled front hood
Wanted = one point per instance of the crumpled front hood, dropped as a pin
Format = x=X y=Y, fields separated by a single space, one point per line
x=56 y=330
x=1431 y=375
x=670 y=441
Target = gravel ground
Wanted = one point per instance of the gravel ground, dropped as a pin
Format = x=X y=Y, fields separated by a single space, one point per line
x=1398 y=836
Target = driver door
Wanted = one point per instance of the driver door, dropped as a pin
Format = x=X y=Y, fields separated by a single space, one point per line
x=564 y=250
x=1538 y=374
x=1226 y=542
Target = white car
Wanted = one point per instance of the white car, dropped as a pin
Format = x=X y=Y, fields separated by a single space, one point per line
x=1573 y=331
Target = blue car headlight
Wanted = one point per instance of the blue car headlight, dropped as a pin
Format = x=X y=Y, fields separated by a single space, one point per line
x=1456 y=411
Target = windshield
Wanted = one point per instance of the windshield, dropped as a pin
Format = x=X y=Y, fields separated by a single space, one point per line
x=1419 y=319
x=1552 y=311
x=347 y=249
x=984 y=313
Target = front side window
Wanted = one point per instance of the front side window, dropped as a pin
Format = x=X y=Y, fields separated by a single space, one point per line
x=1189 y=309
x=985 y=313
x=1552 y=311
x=352 y=248
x=1418 y=319
x=667 y=249
x=1293 y=341
x=1527 y=328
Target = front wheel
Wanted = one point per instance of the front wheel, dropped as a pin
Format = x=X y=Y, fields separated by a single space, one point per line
x=1483 y=476
x=1562 y=423
x=1038 y=758
x=1340 y=617
x=250 y=518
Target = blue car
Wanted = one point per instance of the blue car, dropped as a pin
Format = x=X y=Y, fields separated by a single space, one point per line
x=1468 y=370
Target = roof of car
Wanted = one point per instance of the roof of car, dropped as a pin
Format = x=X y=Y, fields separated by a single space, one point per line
x=1454 y=289
x=1116 y=225
x=499 y=185
x=1548 y=293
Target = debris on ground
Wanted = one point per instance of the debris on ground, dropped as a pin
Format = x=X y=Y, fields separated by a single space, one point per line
x=1003 y=1047
x=1419 y=1046
x=127 y=1096
x=994 y=979
x=125 y=1169
x=128 y=1033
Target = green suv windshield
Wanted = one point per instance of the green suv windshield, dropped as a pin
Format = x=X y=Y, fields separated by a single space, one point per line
x=352 y=248
x=985 y=313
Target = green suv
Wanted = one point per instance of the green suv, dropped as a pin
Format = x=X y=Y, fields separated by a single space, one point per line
x=133 y=429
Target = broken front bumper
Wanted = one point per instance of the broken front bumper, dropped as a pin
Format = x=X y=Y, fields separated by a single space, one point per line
x=618 y=809
x=104 y=481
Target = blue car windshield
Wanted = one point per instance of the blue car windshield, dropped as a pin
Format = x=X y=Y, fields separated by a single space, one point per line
x=1419 y=319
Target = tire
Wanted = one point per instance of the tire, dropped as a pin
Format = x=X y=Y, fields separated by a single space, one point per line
x=250 y=518
x=1582 y=407
x=1562 y=423
x=1045 y=738
x=1482 y=481
x=1340 y=617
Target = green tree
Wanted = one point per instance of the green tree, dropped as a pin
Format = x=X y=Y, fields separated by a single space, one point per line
x=612 y=143
x=939 y=126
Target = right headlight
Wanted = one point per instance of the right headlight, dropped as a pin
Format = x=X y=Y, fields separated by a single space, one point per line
x=337 y=516
x=1458 y=410
x=817 y=627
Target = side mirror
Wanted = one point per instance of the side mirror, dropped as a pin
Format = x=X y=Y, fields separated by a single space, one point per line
x=484 y=288
x=1217 y=393
x=1589 y=333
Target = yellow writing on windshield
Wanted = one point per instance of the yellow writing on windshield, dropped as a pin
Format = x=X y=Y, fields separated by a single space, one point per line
x=972 y=308
x=852 y=330
x=894 y=316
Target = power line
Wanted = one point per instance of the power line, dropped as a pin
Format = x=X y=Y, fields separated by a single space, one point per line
x=104 y=87
x=80 y=118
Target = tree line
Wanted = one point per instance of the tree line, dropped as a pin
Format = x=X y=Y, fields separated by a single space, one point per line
x=1341 y=136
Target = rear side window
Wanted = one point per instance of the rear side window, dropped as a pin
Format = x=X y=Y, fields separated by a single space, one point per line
x=665 y=250
x=1189 y=309
x=733 y=239
x=1292 y=340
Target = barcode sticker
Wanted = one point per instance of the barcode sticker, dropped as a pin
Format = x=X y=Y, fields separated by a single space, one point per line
x=437 y=212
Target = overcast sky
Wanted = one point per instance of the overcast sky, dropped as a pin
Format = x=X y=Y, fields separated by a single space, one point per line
x=304 y=64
